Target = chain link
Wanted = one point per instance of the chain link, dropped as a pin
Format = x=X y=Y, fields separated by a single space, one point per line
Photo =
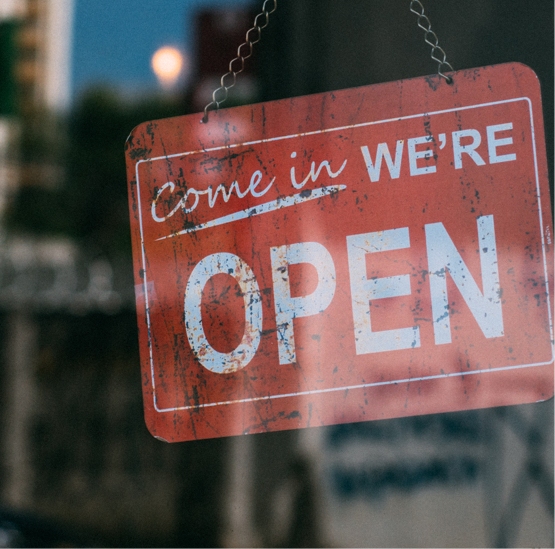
x=256 y=32
x=254 y=35
x=431 y=39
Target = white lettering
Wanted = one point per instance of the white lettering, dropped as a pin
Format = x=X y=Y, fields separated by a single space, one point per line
x=288 y=308
x=493 y=143
x=364 y=290
x=314 y=174
x=255 y=180
x=223 y=263
x=171 y=185
x=469 y=149
x=443 y=256
x=414 y=155
x=212 y=196
x=383 y=152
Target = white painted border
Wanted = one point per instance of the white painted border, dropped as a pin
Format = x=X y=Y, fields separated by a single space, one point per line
x=364 y=385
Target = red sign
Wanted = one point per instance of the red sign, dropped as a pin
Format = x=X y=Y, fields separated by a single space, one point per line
x=369 y=253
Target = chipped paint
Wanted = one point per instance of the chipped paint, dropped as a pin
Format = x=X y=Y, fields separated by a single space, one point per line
x=294 y=270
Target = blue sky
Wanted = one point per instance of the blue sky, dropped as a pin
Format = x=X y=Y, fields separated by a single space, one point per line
x=113 y=40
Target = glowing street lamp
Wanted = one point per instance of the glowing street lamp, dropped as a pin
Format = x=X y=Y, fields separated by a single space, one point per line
x=167 y=64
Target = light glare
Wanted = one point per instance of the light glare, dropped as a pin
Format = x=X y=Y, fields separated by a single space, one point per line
x=167 y=63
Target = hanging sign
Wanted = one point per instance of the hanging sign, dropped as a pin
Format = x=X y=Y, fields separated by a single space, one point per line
x=370 y=253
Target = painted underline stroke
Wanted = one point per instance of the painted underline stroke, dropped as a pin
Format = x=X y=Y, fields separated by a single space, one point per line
x=299 y=198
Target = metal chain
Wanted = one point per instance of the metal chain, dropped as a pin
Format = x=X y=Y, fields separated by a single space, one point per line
x=425 y=25
x=430 y=38
x=249 y=42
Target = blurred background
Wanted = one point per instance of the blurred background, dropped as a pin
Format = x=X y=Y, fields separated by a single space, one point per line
x=77 y=465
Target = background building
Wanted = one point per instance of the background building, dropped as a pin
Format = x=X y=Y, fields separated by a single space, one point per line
x=75 y=449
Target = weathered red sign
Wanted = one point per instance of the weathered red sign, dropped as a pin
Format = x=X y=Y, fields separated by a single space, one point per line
x=369 y=253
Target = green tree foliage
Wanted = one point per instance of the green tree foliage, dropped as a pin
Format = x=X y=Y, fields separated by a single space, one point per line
x=90 y=203
x=8 y=60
